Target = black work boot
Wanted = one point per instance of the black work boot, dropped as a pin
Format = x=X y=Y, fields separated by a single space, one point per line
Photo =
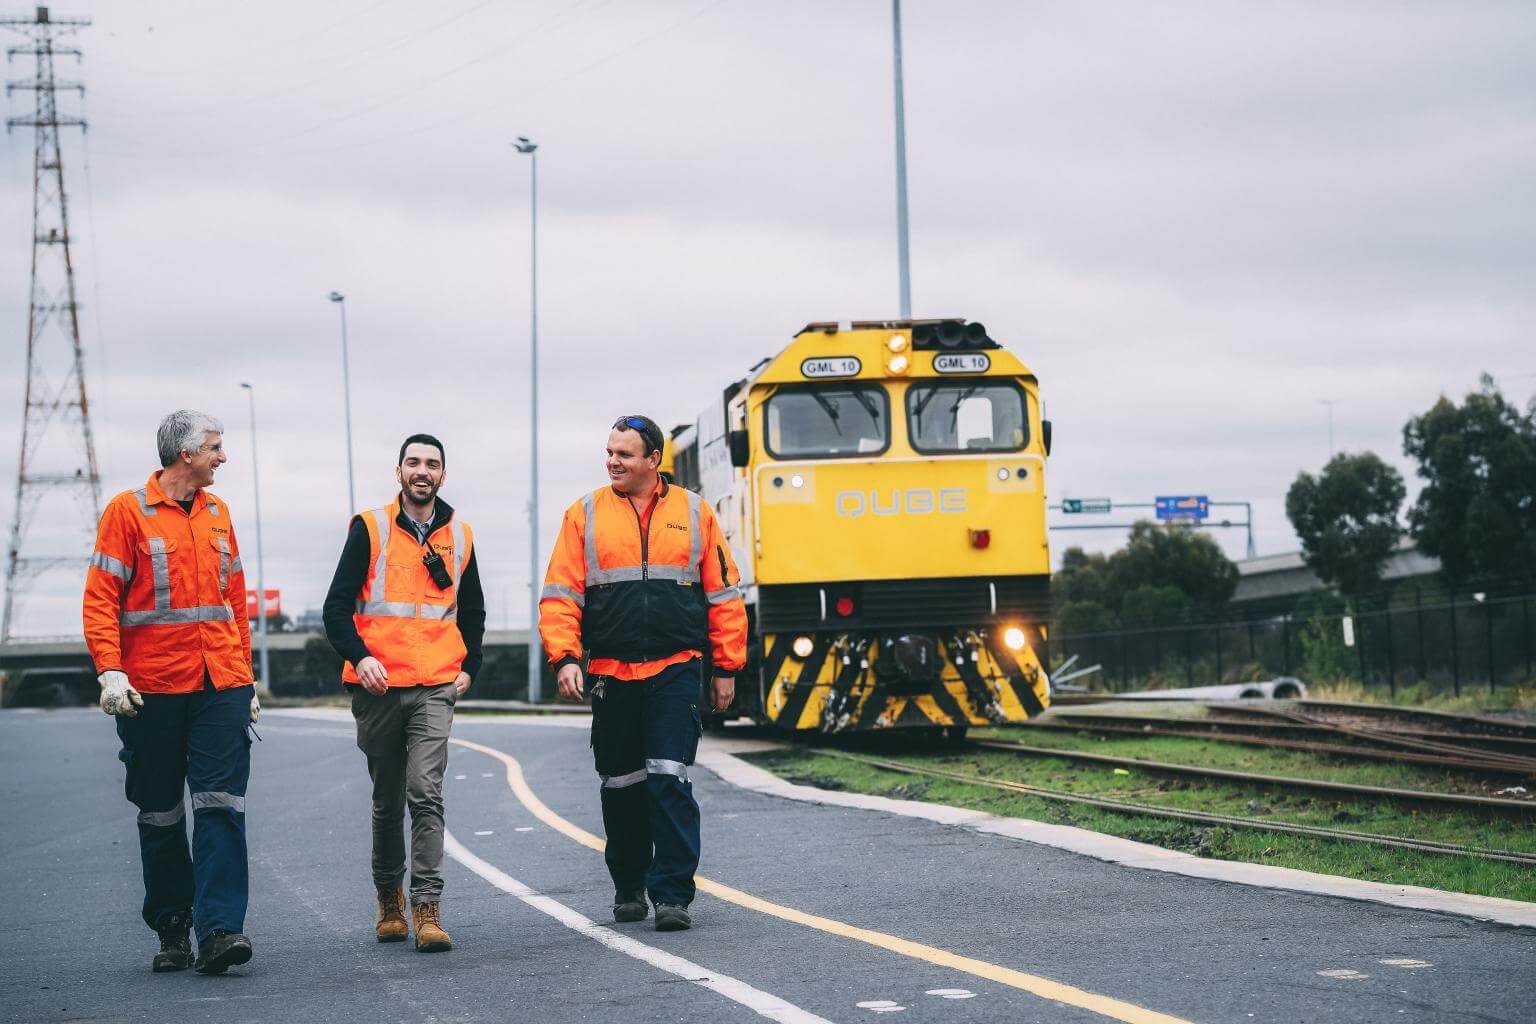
x=222 y=950
x=630 y=906
x=670 y=917
x=175 y=946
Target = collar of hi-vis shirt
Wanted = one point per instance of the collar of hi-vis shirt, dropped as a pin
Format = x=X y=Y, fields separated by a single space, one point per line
x=155 y=495
x=650 y=506
x=441 y=513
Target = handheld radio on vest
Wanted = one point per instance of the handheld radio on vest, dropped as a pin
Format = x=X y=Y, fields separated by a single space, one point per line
x=439 y=572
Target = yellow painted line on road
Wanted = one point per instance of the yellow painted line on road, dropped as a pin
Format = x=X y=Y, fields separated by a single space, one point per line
x=1045 y=988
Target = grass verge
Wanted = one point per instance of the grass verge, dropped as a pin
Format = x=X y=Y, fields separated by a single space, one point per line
x=1328 y=856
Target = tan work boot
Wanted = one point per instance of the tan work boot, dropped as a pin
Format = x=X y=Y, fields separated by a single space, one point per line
x=391 y=926
x=430 y=937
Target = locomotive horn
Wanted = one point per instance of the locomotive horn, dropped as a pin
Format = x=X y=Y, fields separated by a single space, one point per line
x=951 y=333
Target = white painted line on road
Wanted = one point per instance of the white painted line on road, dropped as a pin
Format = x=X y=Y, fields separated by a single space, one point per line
x=1128 y=852
x=1344 y=974
x=880 y=1006
x=1408 y=964
x=525 y=828
x=461 y=776
x=485 y=832
x=763 y=1003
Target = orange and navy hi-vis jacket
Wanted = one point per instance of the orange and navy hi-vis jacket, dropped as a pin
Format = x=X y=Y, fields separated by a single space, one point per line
x=165 y=593
x=403 y=618
x=638 y=593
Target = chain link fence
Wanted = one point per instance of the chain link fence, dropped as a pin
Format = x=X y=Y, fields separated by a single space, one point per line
x=1418 y=634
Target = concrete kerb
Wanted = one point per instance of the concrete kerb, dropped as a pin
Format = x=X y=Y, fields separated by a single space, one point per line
x=716 y=756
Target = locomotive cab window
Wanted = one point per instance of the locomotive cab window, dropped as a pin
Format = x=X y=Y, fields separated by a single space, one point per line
x=977 y=415
x=825 y=422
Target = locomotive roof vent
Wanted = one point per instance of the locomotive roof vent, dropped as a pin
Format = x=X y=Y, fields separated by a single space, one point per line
x=934 y=335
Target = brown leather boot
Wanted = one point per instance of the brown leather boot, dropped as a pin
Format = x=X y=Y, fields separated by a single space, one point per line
x=391 y=926
x=430 y=937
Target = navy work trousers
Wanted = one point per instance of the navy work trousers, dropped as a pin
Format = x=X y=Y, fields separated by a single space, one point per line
x=645 y=733
x=198 y=741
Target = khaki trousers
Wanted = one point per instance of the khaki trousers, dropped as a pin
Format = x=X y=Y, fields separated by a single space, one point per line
x=404 y=733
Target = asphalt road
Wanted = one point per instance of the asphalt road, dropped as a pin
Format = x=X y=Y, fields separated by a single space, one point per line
x=72 y=946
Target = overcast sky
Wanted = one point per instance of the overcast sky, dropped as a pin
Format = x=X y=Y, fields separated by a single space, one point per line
x=1192 y=221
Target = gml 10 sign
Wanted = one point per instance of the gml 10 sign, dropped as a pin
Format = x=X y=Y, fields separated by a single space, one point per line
x=831 y=366
x=962 y=362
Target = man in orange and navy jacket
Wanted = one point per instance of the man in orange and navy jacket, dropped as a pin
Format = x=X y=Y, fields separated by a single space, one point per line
x=643 y=584
x=165 y=622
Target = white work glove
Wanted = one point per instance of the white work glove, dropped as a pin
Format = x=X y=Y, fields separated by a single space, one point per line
x=117 y=697
x=255 y=706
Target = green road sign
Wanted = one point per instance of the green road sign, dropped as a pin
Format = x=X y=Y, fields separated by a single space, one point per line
x=1085 y=506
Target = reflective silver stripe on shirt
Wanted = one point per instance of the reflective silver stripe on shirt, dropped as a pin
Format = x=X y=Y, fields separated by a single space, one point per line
x=160 y=819
x=160 y=565
x=387 y=609
x=223 y=563
x=106 y=563
x=661 y=766
x=620 y=574
x=675 y=573
x=723 y=595
x=380 y=564
x=236 y=566
x=201 y=801
x=441 y=612
x=695 y=537
x=622 y=781
x=144 y=506
x=213 y=507
x=555 y=590
x=589 y=509
x=460 y=552
x=177 y=616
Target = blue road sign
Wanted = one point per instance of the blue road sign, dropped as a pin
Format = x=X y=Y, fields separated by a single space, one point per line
x=1183 y=506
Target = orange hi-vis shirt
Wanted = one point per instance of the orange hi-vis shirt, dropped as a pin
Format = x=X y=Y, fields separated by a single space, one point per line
x=637 y=592
x=165 y=593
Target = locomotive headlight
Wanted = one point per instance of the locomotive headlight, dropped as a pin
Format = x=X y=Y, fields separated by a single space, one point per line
x=898 y=343
x=897 y=364
x=802 y=647
x=1013 y=638
x=797 y=480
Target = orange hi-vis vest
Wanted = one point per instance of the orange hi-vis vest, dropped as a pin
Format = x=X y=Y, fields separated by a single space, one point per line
x=165 y=593
x=637 y=593
x=404 y=620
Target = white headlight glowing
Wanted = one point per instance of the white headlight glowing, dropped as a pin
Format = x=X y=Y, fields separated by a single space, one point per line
x=802 y=647
x=1013 y=636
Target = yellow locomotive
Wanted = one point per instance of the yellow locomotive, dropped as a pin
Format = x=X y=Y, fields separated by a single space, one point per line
x=882 y=485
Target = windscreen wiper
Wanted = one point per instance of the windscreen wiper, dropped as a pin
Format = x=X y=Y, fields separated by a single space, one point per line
x=831 y=410
x=954 y=410
x=869 y=405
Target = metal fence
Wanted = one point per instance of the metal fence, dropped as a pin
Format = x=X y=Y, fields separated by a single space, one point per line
x=1419 y=634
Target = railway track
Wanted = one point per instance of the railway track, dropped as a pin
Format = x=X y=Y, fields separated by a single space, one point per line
x=1456 y=742
x=1459 y=801
x=1200 y=817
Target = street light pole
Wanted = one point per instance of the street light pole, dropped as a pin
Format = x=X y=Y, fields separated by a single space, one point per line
x=1330 y=403
x=903 y=259
x=261 y=568
x=346 y=398
x=535 y=647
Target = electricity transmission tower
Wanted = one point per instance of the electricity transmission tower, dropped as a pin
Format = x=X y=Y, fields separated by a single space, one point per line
x=58 y=453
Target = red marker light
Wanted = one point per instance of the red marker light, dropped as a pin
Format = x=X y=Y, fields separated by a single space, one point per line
x=845 y=606
x=981 y=538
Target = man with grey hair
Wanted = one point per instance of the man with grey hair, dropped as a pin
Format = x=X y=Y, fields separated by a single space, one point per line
x=165 y=622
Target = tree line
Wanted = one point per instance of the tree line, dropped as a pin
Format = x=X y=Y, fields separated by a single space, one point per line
x=1476 y=513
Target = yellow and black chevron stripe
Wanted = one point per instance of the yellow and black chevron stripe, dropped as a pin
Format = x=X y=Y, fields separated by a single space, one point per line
x=835 y=688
